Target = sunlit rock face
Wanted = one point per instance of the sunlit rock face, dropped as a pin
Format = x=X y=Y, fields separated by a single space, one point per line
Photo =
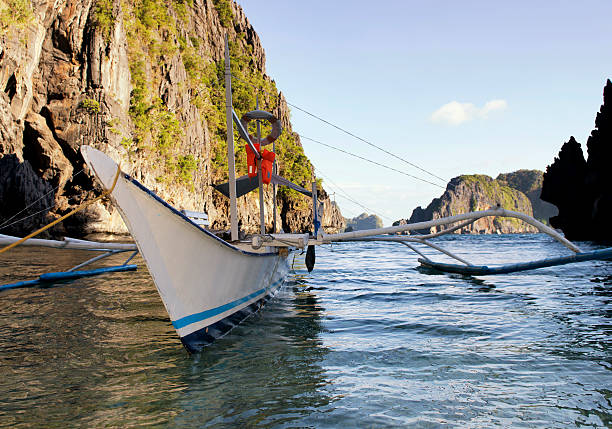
x=475 y=192
x=146 y=87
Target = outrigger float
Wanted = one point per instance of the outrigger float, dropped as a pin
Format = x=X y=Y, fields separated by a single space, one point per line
x=209 y=285
x=106 y=250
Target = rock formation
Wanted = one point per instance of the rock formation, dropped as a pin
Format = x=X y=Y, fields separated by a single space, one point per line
x=363 y=221
x=142 y=81
x=529 y=182
x=476 y=192
x=581 y=189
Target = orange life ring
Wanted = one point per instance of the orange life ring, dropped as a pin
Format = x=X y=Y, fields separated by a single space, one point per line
x=277 y=128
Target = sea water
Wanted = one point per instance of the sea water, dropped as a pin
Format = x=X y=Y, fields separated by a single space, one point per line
x=365 y=340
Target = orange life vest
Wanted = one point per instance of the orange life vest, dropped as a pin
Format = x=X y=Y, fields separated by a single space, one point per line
x=251 y=160
x=267 y=162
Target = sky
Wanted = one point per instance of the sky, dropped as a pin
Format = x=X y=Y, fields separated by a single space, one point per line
x=470 y=87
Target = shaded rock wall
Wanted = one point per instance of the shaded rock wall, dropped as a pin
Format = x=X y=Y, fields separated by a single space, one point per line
x=582 y=189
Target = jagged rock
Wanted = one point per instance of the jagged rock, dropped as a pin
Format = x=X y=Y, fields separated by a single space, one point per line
x=363 y=221
x=44 y=153
x=476 y=192
x=296 y=216
x=581 y=189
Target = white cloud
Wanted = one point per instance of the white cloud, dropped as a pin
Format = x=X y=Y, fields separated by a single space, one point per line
x=492 y=105
x=455 y=113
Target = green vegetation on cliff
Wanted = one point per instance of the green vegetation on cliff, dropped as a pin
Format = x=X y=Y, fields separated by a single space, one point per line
x=104 y=16
x=524 y=180
x=14 y=13
x=530 y=183
x=224 y=10
x=477 y=192
x=495 y=193
x=155 y=41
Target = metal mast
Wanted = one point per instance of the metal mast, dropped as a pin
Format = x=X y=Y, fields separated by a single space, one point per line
x=262 y=214
x=230 y=144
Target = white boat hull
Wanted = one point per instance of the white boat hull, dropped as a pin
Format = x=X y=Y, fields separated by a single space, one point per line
x=206 y=284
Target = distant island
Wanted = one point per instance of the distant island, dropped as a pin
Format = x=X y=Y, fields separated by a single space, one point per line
x=363 y=221
x=574 y=194
x=518 y=191
x=582 y=188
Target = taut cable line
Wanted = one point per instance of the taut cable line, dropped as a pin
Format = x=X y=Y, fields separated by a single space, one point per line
x=55 y=222
x=6 y=224
x=348 y=197
x=345 y=131
x=370 y=161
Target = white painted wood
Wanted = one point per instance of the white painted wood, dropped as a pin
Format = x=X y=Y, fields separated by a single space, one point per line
x=199 y=218
x=193 y=270
x=328 y=238
x=195 y=215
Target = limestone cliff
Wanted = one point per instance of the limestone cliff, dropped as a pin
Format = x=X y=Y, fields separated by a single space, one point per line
x=581 y=188
x=143 y=81
x=471 y=193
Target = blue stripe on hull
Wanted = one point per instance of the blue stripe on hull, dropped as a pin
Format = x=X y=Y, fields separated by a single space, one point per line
x=197 y=317
x=203 y=337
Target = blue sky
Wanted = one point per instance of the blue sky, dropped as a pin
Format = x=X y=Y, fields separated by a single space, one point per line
x=454 y=87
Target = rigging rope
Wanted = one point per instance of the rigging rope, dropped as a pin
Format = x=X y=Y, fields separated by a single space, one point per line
x=55 y=222
x=348 y=197
x=370 y=161
x=346 y=131
x=4 y=224
x=27 y=217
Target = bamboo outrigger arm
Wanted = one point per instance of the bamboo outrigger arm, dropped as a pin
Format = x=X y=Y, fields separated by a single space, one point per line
x=472 y=216
x=69 y=243
x=106 y=250
x=457 y=222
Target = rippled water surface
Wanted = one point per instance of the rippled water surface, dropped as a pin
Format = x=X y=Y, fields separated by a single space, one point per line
x=365 y=340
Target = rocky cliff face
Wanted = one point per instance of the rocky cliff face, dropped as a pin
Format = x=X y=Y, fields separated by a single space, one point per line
x=581 y=189
x=363 y=221
x=476 y=192
x=529 y=182
x=143 y=82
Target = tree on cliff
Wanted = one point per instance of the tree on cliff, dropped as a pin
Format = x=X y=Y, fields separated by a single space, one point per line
x=581 y=189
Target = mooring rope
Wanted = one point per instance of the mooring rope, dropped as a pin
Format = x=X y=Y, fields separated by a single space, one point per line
x=55 y=222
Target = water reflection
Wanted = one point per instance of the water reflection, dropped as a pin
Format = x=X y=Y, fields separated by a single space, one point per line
x=274 y=358
x=366 y=340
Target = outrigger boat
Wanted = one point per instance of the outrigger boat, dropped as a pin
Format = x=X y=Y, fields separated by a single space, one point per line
x=209 y=285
